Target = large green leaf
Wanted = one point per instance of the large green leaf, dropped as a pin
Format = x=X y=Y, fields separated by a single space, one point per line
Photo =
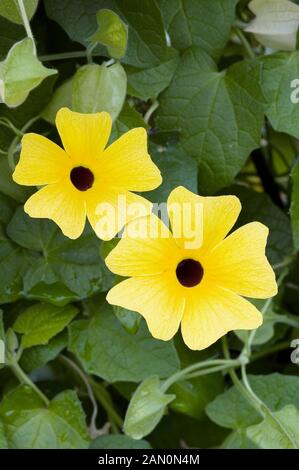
x=20 y=73
x=232 y=410
x=107 y=350
x=279 y=71
x=146 y=41
x=10 y=10
x=29 y=424
x=279 y=431
x=150 y=82
x=40 y=322
x=99 y=88
x=199 y=23
x=61 y=269
x=219 y=115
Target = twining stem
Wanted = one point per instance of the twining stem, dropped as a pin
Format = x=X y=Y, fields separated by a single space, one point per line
x=244 y=42
x=13 y=145
x=26 y=22
x=101 y=394
x=80 y=373
x=89 y=52
x=150 y=111
x=182 y=374
x=24 y=379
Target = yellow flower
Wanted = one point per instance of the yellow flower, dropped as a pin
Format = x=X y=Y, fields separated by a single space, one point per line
x=78 y=179
x=200 y=288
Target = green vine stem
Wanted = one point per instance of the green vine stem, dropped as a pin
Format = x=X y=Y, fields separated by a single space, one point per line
x=26 y=22
x=104 y=399
x=182 y=374
x=23 y=378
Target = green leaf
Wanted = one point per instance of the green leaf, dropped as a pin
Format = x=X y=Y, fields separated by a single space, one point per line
x=282 y=432
x=105 y=349
x=20 y=73
x=149 y=83
x=192 y=396
x=279 y=72
x=231 y=410
x=219 y=115
x=146 y=408
x=8 y=186
x=37 y=356
x=295 y=205
x=9 y=34
x=12 y=257
x=129 y=320
x=10 y=10
x=177 y=168
x=146 y=42
x=112 y=32
x=199 y=23
x=99 y=88
x=60 y=269
x=29 y=424
x=238 y=440
x=40 y=322
x=118 y=441
x=62 y=97
x=128 y=119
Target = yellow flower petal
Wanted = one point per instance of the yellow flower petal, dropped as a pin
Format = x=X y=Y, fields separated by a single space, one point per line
x=62 y=204
x=239 y=263
x=219 y=214
x=141 y=252
x=128 y=165
x=41 y=162
x=109 y=212
x=210 y=315
x=155 y=298
x=84 y=136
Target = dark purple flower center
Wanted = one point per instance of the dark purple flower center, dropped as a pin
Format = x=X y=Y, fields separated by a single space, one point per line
x=82 y=178
x=189 y=272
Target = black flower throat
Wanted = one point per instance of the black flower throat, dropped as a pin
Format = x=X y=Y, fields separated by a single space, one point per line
x=82 y=178
x=189 y=272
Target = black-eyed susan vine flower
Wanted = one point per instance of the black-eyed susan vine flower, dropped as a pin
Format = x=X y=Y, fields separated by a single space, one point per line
x=172 y=282
x=79 y=179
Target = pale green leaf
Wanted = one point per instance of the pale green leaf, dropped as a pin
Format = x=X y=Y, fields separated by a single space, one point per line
x=146 y=408
x=20 y=73
x=99 y=88
x=62 y=97
x=232 y=410
x=277 y=431
x=295 y=205
x=112 y=32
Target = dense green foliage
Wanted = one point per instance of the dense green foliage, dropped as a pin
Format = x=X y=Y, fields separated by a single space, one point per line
x=218 y=110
